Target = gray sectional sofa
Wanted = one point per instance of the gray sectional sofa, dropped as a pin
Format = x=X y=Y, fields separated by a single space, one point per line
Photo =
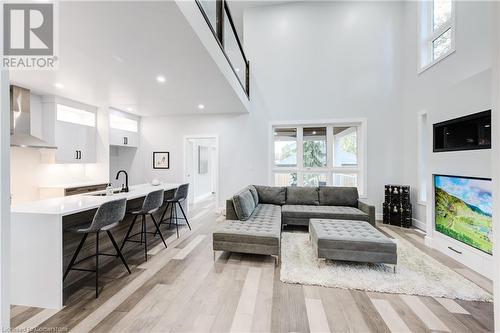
x=256 y=214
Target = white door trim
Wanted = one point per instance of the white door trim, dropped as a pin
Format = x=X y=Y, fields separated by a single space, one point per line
x=217 y=159
x=5 y=250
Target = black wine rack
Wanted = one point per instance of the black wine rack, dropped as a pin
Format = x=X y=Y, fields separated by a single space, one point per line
x=397 y=206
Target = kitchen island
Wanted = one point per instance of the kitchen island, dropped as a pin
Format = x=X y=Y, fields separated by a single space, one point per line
x=40 y=247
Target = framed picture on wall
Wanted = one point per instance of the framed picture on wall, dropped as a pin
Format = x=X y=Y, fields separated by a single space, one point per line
x=161 y=160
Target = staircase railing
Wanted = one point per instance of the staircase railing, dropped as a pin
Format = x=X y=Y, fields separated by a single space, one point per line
x=219 y=19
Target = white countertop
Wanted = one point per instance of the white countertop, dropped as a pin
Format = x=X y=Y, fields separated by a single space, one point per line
x=78 y=203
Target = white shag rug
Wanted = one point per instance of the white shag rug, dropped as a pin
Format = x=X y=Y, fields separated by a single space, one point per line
x=416 y=273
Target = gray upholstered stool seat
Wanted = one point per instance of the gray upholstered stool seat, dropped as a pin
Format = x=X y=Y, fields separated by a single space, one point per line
x=150 y=205
x=180 y=195
x=351 y=241
x=107 y=216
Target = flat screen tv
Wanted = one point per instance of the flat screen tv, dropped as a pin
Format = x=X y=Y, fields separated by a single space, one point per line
x=463 y=208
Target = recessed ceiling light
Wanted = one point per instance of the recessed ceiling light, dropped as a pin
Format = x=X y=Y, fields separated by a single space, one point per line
x=59 y=85
x=313 y=132
x=201 y=106
x=161 y=79
x=237 y=69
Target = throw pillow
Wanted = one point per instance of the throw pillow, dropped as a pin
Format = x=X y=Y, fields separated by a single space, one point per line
x=302 y=195
x=271 y=194
x=244 y=204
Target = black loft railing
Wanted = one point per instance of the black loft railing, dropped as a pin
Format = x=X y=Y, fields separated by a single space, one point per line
x=220 y=21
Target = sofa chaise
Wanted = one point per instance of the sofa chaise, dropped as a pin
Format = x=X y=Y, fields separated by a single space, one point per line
x=256 y=215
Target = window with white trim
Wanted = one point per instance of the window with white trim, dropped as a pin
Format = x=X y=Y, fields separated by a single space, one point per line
x=76 y=116
x=319 y=155
x=437 y=31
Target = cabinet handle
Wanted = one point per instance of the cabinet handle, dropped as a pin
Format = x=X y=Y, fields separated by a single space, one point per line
x=80 y=154
x=125 y=140
x=76 y=154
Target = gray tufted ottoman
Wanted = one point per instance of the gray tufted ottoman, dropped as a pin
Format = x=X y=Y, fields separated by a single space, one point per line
x=351 y=241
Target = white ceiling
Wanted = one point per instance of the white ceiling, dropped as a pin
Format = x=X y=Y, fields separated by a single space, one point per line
x=238 y=7
x=112 y=52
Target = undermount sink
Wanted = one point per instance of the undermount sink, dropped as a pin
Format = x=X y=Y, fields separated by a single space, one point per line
x=103 y=194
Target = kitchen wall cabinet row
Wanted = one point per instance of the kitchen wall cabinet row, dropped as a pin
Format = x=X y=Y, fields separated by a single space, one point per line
x=72 y=127
x=123 y=129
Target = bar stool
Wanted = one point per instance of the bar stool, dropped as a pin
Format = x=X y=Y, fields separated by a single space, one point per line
x=180 y=195
x=108 y=216
x=151 y=204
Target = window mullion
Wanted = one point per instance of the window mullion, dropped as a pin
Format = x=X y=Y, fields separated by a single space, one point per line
x=326 y=172
x=300 y=155
x=441 y=30
x=330 y=155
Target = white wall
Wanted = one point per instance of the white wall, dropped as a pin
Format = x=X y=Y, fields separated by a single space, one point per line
x=4 y=193
x=309 y=61
x=496 y=169
x=456 y=86
x=242 y=142
x=122 y=158
x=334 y=60
x=459 y=85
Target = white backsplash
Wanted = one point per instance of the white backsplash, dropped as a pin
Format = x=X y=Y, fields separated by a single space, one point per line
x=28 y=173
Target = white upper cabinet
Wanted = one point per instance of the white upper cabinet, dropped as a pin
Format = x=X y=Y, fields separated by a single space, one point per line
x=72 y=128
x=123 y=129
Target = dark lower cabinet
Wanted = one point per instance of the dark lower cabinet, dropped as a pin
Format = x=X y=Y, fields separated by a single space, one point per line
x=110 y=267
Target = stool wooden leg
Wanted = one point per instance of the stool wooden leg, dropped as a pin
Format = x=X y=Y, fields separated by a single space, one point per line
x=171 y=216
x=163 y=215
x=142 y=232
x=158 y=230
x=145 y=237
x=185 y=217
x=118 y=252
x=128 y=232
x=97 y=264
x=176 y=222
x=78 y=249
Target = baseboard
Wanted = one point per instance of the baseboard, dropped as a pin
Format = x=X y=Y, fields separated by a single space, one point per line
x=416 y=223
x=419 y=224
x=202 y=197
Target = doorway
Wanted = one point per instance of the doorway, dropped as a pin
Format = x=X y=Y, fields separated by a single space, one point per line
x=201 y=167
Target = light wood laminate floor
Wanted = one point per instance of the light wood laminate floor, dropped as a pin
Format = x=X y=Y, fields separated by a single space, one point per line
x=181 y=289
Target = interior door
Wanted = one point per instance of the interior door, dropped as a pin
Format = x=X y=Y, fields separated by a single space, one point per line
x=212 y=169
x=190 y=169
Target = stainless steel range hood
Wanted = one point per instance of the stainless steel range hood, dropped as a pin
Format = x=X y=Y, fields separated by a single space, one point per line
x=20 y=122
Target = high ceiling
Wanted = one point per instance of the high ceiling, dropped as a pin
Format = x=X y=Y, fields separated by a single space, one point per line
x=238 y=7
x=111 y=54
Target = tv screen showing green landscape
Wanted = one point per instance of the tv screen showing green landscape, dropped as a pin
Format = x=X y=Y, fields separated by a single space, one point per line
x=463 y=208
